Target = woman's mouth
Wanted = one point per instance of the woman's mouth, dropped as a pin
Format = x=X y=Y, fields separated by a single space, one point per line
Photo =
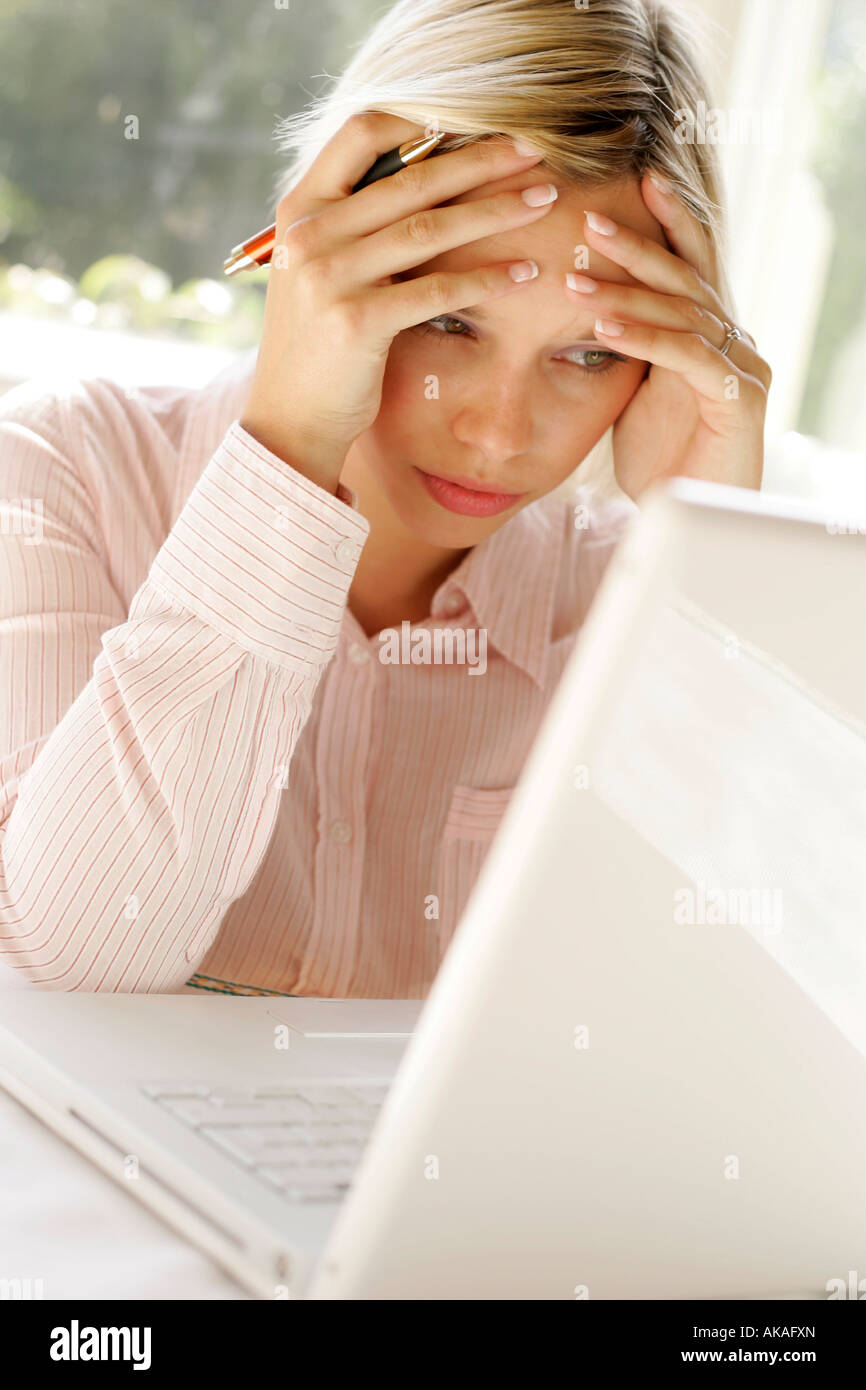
x=468 y=501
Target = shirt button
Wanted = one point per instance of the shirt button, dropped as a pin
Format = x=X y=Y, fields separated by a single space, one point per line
x=358 y=654
x=340 y=832
x=345 y=550
x=454 y=602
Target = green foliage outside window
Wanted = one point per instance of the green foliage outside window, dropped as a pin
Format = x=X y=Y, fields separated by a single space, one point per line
x=131 y=233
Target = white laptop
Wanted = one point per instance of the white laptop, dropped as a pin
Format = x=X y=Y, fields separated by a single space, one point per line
x=641 y=1070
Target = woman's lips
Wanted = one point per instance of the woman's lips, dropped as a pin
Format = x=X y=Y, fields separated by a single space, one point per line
x=467 y=501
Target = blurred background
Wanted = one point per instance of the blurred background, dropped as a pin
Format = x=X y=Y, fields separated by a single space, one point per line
x=136 y=148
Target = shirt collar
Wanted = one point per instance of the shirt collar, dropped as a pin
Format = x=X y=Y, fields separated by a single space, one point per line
x=509 y=580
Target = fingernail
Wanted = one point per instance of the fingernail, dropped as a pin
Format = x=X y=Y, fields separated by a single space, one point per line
x=609 y=328
x=523 y=147
x=600 y=223
x=583 y=283
x=661 y=184
x=523 y=270
x=539 y=194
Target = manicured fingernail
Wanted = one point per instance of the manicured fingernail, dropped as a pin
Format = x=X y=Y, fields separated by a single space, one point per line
x=609 y=328
x=600 y=223
x=661 y=184
x=583 y=283
x=523 y=270
x=523 y=147
x=539 y=194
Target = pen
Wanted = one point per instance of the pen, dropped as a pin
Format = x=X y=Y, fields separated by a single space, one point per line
x=257 y=249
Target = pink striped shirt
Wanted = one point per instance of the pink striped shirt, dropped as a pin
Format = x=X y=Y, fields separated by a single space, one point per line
x=209 y=777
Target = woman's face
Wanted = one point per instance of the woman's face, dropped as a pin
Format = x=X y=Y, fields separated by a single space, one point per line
x=512 y=394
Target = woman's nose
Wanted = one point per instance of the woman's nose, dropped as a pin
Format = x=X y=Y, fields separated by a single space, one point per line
x=494 y=416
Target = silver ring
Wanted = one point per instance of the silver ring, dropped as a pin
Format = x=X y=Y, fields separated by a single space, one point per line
x=732 y=335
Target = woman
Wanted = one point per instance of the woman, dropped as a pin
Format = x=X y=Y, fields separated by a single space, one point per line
x=226 y=773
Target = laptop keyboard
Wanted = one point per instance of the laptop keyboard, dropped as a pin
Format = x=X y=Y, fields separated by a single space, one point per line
x=302 y=1141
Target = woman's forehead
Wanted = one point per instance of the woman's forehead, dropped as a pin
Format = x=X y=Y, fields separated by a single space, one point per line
x=556 y=238
x=620 y=199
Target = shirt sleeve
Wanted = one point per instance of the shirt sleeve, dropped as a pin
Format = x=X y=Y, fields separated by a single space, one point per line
x=143 y=754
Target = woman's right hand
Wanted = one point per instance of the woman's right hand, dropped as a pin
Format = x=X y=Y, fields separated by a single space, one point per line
x=332 y=309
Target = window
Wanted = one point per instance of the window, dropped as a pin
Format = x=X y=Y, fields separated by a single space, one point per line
x=136 y=148
x=796 y=212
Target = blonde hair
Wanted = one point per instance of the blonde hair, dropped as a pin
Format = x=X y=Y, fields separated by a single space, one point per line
x=597 y=90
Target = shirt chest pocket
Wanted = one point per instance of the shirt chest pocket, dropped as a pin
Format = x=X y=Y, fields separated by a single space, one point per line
x=471 y=822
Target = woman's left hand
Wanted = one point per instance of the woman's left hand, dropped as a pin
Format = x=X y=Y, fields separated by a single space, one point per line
x=696 y=413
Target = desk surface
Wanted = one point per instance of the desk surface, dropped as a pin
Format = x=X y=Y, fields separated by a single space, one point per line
x=64 y=1222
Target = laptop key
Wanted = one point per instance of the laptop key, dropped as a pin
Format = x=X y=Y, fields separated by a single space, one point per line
x=259 y=1112
x=270 y=1142
x=312 y=1195
x=301 y=1135
x=325 y=1095
x=286 y=1152
x=347 y=1115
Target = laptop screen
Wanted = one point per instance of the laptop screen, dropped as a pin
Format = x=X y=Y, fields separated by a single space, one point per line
x=754 y=786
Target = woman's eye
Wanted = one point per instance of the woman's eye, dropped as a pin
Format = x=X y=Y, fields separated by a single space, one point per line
x=600 y=360
x=425 y=327
x=595 y=360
